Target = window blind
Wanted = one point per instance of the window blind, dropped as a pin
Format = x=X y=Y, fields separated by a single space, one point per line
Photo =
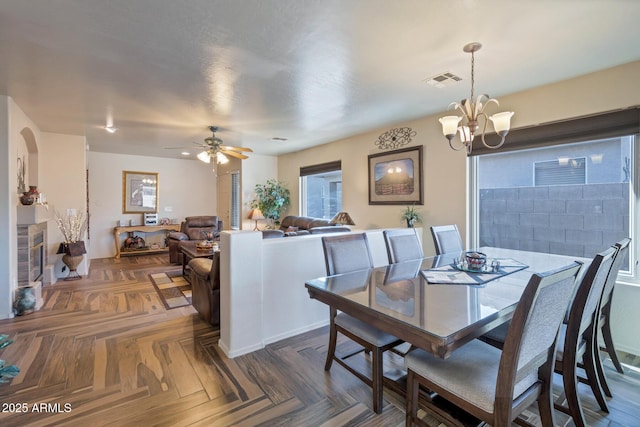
x=235 y=200
x=321 y=168
x=588 y=128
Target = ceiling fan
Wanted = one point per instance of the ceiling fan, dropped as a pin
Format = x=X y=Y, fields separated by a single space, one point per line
x=213 y=148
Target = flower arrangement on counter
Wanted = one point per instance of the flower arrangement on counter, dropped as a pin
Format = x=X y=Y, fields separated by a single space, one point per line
x=72 y=225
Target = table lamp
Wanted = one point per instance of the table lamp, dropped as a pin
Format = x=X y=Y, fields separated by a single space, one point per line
x=256 y=214
x=342 y=218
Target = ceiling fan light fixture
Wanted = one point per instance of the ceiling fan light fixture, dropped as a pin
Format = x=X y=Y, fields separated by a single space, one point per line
x=110 y=129
x=203 y=156
x=221 y=158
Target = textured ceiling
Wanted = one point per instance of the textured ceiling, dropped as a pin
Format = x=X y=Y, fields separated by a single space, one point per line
x=311 y=71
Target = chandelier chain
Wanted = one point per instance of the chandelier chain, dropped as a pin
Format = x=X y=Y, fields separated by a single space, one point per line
x=473 y=63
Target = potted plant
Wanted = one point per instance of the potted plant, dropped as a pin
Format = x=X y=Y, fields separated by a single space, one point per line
x=272 y=199
x=411 y=215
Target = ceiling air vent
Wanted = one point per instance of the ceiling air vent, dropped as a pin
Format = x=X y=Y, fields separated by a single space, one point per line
x=443 y=80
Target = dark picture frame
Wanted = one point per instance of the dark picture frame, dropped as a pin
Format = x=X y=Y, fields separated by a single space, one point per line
x=139 y=192
x=395 y=177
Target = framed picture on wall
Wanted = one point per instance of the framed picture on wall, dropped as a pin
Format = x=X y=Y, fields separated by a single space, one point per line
x=139 y=192
x=395 y=177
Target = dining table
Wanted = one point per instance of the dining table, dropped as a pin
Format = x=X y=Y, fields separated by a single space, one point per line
x=437 y=303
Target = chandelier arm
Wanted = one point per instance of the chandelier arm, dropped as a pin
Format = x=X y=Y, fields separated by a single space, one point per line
x=484 y=129
x=462 y=145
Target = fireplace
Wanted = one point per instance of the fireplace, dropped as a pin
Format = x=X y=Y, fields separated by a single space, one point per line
x=32 y=252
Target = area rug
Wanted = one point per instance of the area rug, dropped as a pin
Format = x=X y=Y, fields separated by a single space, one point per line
x=174 y=290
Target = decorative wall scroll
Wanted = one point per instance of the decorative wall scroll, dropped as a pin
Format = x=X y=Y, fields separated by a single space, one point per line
x=395 y=138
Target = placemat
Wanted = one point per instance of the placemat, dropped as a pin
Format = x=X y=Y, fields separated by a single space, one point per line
x=451 y=275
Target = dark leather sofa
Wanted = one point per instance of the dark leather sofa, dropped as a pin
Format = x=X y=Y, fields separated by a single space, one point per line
x=204 y=275
x=302 y=225
x=192 y=228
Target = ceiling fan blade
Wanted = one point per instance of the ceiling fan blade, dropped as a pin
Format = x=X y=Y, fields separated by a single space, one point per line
x=229 y=147
x=234 y=154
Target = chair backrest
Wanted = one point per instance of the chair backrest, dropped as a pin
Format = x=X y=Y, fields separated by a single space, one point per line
x=446 y=238
x=585 y=304
x=194 y=226
x=531 y=338
x=403 y=244
x=622 y=250
x=346 y=253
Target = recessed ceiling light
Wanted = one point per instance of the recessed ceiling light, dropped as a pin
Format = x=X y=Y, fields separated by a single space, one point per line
x=110 y=129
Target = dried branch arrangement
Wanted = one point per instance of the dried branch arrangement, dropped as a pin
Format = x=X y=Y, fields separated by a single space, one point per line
x=72 y=227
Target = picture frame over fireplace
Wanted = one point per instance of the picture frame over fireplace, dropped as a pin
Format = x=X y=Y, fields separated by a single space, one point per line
x=139 y=192
x=395 y=177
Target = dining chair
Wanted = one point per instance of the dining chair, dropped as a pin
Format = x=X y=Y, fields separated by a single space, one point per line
x=403 y=244
x=580 y=338
x=604 y=326
x=493 y=385
x=446 y=238
x=344 y=254
x=577 y=338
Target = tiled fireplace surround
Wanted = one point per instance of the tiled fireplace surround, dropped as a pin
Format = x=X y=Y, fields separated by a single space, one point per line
x=32 y=257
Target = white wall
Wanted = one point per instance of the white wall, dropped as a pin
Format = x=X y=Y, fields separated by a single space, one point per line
x=7 y=214
x=12 y=121
x=185 y=188
x=269 y=302
x=62 y=180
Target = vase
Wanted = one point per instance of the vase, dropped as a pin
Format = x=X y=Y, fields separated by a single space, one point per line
x=72 y=261
x=33 y=190
x=25 y=301
x=27 y=199
x=410 y=222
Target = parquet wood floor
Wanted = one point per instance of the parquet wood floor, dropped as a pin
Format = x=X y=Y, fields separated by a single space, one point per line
x=103 y=351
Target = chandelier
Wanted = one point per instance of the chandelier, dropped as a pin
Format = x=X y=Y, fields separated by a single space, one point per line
x=472 y=110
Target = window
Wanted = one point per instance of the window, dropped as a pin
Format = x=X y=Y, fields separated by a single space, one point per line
x=560 y=172
x=235 y=201
x=580 y=199
x=321 y=190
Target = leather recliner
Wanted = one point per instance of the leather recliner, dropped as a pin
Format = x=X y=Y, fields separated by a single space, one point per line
x=192 y=228
x=204 y=275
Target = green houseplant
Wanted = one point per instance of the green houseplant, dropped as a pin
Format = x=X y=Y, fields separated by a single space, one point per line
x=411 y=215
x=272 y=198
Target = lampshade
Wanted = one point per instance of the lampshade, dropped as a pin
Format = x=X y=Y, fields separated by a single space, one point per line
x=221 y=158
x=342 y=218
x=203 y=156
x=256 y=214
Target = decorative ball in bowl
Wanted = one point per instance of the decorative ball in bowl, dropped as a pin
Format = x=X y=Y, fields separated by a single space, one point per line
x=476 y=260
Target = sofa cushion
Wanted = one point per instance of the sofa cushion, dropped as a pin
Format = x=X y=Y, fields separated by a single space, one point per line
x=319 y=223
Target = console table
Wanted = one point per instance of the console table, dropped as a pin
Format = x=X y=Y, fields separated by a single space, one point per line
x=117 y=231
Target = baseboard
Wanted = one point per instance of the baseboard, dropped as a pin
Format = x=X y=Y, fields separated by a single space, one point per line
x=231 y=354
x=295 y=332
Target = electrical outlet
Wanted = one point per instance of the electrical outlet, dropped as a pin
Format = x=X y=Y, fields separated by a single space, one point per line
x=168 y=208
